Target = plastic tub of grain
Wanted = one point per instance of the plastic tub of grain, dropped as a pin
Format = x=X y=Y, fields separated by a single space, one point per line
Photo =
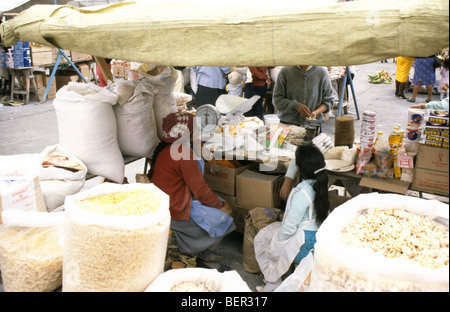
x=115 y=237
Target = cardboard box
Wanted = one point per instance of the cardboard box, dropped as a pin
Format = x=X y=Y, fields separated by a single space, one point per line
x=41 y=83
x=63 y=79
x=393 y=186
x=431 y=173
x=85 y=70
x=44 y=56
x=432 y=158
x=79 y=57
x=254 y=189
x=429 y=181
x=223 y=179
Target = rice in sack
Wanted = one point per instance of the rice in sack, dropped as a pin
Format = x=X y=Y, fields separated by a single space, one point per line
x=115 y=237
x=31 y=253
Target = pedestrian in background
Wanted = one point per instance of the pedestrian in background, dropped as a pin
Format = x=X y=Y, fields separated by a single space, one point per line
x=404 y=64
x=424 y=74
x=211 y=82
x=443 y=84
x=258 y=85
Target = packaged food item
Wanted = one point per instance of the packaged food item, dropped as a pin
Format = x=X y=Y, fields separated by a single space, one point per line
x=382 y=153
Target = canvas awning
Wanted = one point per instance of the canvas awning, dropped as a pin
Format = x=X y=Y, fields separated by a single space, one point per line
x=217 y=33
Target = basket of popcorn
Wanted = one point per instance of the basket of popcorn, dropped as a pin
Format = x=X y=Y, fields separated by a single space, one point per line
x=383 y=242
x=115 y=237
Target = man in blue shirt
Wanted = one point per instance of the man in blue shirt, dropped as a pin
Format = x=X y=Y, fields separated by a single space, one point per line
x=211 y=82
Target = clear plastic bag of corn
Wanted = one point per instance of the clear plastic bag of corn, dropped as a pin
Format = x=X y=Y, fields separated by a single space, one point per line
x=115 y=237
x=31 y=251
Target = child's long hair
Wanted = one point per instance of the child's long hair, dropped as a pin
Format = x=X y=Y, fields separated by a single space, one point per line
x=309 y=159
x=446 y=63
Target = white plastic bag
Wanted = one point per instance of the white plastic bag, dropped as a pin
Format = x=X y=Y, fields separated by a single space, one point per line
x=87 y=128
x=56 y=182
x=212 y=280
x=298 y=280
x=31 y=251
x=104 y=252
x=136 y=124
x=341 y=267
x=19 y=183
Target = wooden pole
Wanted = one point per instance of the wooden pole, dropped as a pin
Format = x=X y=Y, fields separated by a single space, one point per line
x=101 y=62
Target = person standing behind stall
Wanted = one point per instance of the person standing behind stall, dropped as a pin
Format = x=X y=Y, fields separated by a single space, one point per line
x=199 y=218
x=424 y=74
x=211 y=82
x=302 y=92
x=443 y=84
x=279 y=244
x=258 y=86
x=404 y=64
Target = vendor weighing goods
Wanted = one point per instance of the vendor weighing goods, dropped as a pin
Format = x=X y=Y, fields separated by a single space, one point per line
x=228 y=111
x=115 y=237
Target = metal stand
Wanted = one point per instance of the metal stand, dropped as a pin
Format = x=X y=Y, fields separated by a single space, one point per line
x=61 y=53
x=344 y=86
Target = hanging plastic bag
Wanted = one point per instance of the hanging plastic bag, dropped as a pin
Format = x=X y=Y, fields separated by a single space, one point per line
x=299 y=280
x=31 y=251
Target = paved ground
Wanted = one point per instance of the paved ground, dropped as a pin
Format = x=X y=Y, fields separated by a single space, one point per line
x=31 y=128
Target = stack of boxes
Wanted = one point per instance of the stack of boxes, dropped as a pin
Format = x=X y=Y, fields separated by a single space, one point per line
x=244 y=188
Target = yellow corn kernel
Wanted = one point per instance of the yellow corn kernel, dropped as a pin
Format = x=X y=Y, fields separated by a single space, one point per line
x=141 y=201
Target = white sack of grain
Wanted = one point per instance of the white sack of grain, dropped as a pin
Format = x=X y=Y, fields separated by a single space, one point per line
x=115 y=237
x=198 y=280
x=87 y=128
x=19 y=183
x=163 y=78
x=57 y=181
x=31 y=251
x=402 y=252
x=136 y=123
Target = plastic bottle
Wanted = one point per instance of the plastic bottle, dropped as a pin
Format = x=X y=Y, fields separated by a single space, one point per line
x=378 y=139
x=396 y=137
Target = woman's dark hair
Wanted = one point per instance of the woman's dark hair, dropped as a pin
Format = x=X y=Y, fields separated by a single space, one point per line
x=158 y=149
x=309 y=158
x=446 y=63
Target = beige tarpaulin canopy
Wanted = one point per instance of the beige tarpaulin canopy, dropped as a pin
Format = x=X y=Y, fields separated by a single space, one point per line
x=240 y=33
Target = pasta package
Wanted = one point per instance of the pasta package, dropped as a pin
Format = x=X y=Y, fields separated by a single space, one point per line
x=31 y=253
x=115 y=237
x=383 y=242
